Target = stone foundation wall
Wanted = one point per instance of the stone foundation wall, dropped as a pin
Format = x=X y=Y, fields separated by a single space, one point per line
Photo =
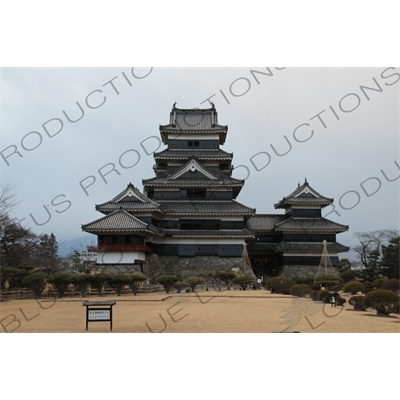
x=183 y=267
x=114 y=269
x=294 y=271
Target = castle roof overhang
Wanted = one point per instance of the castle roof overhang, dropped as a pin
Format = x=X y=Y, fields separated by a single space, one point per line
x=201 y=154
x=130 y=199
x=300 y=225
x=210 y=234
x=304 y=195
x=120 y=221
x=181 y=177
x=193 y=121
x=206 y=208
x=264 y=223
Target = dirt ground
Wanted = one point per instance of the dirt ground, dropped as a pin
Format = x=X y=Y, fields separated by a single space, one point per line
x=200 y=312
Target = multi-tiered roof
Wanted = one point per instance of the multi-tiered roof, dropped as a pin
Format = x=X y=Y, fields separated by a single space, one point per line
x=302 y=228
x=189 y=207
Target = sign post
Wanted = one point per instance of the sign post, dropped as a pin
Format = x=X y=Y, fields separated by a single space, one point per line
x=99 y=311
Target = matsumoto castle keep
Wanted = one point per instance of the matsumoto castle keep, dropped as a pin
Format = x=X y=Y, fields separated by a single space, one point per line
x=188 y=221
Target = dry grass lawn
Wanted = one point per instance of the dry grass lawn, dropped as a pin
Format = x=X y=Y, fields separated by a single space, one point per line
x=201 y=312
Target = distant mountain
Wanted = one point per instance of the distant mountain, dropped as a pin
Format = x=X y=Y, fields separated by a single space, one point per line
x=80 y=243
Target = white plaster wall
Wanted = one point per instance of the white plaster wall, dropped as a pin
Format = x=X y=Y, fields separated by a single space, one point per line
x=119 y=257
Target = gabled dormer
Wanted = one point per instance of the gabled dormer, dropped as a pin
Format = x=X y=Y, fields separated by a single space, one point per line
x=304 y=202
x=193 y=169
x=131 y=200
x=192 y=177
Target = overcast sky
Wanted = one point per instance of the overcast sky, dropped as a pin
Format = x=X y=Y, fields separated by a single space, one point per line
x=355 y=137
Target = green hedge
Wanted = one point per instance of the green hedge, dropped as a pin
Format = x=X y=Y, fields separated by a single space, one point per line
x=61 y=281
x=353 y=287
x=37 y=282
x=300 y=290
x=167 y=281
x=278 y=283
x=193 y=281
x=381 y=300
x=391 y=284
x=349 y=275
x=358 y=303
x=243 y=281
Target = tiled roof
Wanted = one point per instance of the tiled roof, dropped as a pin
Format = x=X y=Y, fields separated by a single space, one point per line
x=193 y=120
x=304 y=194
x=128 y=206
x=294 y=224
x=205 y=207
x=161 y=181
x=119 y=221
x=310 y=247
x=173 y=179
x=244 y=233
x=264 y=222
x=129 y=199
x=201 y=154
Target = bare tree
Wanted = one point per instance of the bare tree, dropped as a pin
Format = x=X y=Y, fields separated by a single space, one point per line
x=17 y=244
x=8 y=198
x=370 y=246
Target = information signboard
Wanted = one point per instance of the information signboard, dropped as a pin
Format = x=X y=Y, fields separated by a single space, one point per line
x=98 y=311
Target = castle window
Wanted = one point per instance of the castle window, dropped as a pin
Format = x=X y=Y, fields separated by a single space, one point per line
x=196 y=193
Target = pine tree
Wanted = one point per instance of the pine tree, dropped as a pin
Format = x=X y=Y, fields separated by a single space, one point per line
x=390 y=263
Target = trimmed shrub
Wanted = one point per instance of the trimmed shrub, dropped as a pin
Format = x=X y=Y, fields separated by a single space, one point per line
x=324 y=296
x=300 y=290
x=378 y=282
x=82 y=283
x=118 y=282
x=315 y=286
x=209 y=277
x=98 y=281
x=61 y=281
x=350 y=275
x=340 y=301
x=179 y=285
x=167 y=281
x=278 y=283
x=314 y=295
x=37 y=282
x=320 y=295
x=286 y=291
x=13 y=276
x=391 y=284
x=243 y=281
x=396 y=308
x=337 y=287
x=304 y=280
x=193 y=281
x=353 y=287
x=136 y=281
x=381 y=300
x=328 y=280
x=225 y=277
x=358 y=303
